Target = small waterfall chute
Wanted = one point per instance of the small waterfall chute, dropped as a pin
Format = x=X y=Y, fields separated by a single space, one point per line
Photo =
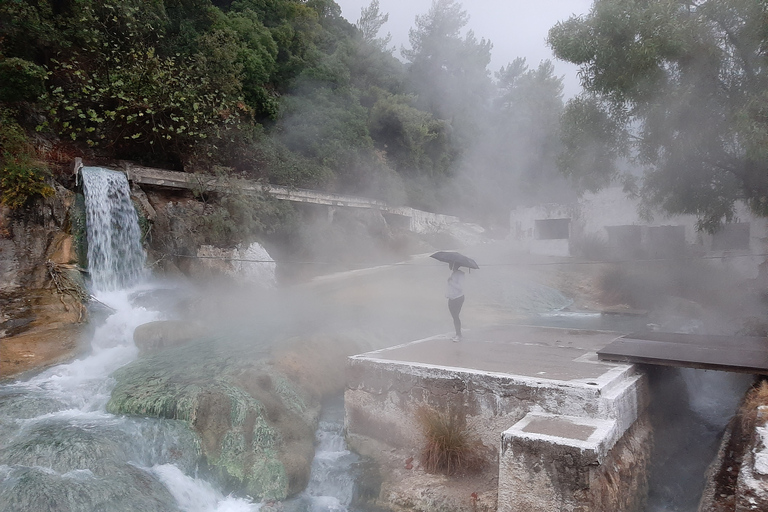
x=115 y=254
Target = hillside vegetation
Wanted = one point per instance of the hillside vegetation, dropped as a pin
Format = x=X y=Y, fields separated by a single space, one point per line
x=285 y=91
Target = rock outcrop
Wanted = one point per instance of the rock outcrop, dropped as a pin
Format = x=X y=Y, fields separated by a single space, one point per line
x=255 y=426
x=41 y=289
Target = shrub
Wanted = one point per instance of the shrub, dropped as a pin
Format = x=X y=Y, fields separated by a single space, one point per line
x=451 y=446
x=21 y=181
x=22 y=80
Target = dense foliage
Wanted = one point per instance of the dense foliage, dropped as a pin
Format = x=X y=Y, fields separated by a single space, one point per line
x=286 y=91
x=677 y=88
x=21 y=177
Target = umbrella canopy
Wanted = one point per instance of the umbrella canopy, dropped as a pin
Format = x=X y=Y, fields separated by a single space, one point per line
x=455 y=257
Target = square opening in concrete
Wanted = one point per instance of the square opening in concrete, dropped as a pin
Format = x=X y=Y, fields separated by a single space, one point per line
x=560 y=427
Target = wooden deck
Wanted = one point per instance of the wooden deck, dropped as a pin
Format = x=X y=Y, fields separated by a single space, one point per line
x=726 y=353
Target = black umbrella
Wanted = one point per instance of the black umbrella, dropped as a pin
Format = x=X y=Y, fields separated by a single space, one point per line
x=455 y=257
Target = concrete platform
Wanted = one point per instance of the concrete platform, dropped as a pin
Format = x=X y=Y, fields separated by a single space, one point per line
x=587 y=435
x=539 y=391
x=524 y=351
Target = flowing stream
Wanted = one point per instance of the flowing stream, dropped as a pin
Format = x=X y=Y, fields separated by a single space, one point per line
x=332 y=482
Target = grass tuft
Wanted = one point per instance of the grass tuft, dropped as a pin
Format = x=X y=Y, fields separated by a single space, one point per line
x=756 y=397
x=451 y=446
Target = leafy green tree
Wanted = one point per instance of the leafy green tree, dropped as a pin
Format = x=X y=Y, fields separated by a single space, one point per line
x=256 y=57
x=373 y=64
x=679 y=88
x=413 y=140
x=21 y=177
x=286 y=91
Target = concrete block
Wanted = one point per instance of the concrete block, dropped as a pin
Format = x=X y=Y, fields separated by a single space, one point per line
x=553 y=462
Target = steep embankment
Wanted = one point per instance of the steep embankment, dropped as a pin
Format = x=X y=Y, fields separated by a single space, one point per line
x=43 y=318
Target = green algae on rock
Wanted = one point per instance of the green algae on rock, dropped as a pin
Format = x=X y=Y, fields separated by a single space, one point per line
x=241 y=425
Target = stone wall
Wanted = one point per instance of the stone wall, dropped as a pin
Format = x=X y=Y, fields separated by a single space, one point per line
x=561 y=430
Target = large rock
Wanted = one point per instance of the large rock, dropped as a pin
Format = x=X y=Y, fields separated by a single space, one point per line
x=44 y=466
x=255 y=426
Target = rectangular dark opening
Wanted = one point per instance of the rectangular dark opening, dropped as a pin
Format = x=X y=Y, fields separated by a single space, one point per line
x=731 y=236
x=666 y=241
x=552 y=229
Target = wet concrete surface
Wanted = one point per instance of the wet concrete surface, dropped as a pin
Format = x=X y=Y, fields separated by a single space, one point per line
x=527 y=351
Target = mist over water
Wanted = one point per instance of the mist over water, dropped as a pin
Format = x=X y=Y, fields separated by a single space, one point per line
x=55 y=435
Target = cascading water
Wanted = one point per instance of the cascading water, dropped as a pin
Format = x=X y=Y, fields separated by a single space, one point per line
x=59 y=448
x=332 y=483
x=115 y=255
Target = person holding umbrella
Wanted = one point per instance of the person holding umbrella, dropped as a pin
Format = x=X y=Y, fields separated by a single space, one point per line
x=455 y=295
x=455 y=291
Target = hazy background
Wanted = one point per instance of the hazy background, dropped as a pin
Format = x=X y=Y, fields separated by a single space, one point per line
x=516 y=28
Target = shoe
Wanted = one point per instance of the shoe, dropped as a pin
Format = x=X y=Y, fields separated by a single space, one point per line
x=456 y=339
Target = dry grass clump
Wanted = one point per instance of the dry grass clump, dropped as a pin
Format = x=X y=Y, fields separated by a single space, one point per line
x=451 y=446
x=756 y=397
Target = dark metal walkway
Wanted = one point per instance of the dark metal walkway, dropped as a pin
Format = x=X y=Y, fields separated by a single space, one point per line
x=727 y=353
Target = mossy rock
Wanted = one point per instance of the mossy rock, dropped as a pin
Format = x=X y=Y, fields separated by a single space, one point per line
x=243 y=427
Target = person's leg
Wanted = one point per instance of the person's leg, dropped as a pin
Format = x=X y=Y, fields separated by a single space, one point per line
x=454 y=306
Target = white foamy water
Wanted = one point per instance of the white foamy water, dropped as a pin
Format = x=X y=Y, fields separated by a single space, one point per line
x=332 y=482
x=196 y=495
x=115 y=255
x=83 y=384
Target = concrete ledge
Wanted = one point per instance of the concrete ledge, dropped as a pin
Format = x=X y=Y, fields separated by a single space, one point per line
x=551 y=462
x=589 y=438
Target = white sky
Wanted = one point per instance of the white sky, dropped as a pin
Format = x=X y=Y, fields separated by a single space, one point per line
x=517 y=28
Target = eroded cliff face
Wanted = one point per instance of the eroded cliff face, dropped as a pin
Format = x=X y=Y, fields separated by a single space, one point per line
x=42 y=315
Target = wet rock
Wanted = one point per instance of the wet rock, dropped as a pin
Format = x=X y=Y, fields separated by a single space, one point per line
x=254 y=425
x=40 y=348
x=39 y=324
x=70 y=463
x=34 y=488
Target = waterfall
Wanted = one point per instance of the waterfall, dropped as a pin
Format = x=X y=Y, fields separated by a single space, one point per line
x=115 y=255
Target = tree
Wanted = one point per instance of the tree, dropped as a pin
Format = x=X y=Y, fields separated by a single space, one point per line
x=449 y=72
x=369 y=24
x=515 y=162
x=679 y=88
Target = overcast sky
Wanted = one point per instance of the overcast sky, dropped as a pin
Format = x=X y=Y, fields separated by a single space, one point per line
x=517 y=28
